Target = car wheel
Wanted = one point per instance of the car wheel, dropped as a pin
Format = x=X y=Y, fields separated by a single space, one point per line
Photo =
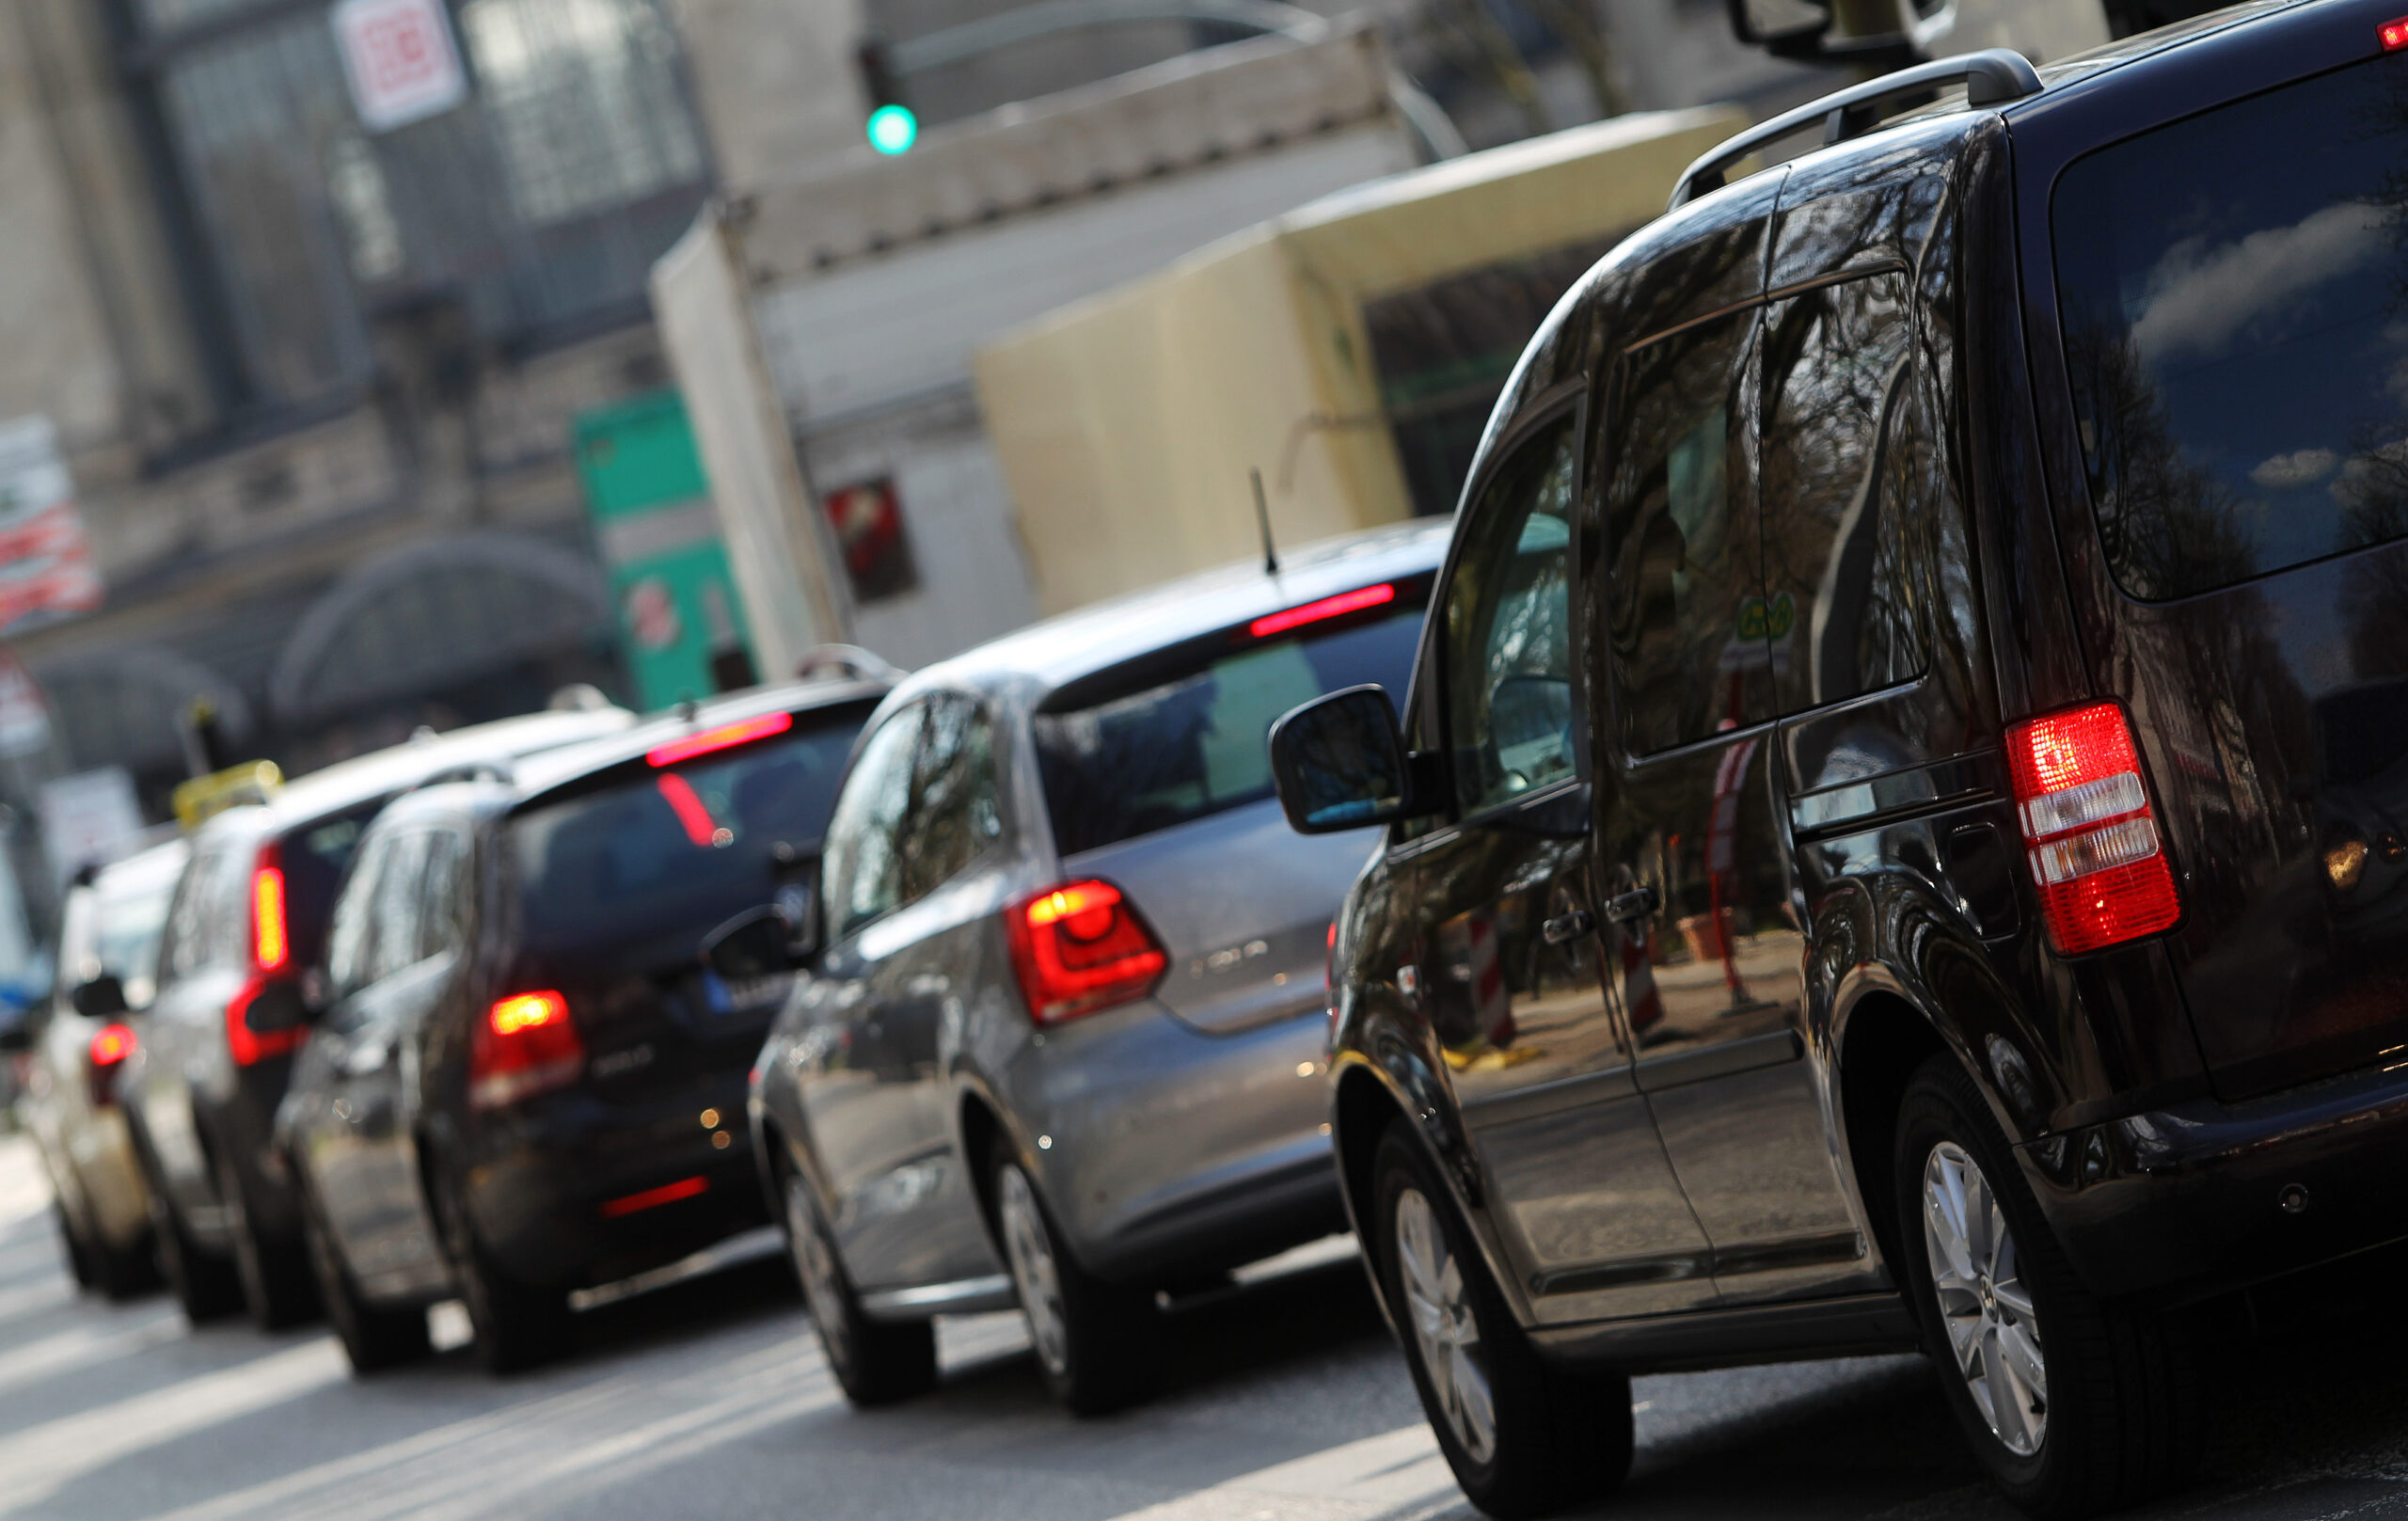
x=516 y=1325
x=205 y=1285
x=1098 y=1344
x=2073 y=1404
x=876 y=1363
x=274 y=1276
x=373 y=1338
x=128 y=1273
x=79 y=1252
x=1523 y=1438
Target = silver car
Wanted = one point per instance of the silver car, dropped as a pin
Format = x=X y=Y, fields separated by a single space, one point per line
x=1059 y=1040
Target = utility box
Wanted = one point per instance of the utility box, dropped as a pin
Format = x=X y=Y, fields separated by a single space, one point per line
x=681 y=619
x=1347 y=354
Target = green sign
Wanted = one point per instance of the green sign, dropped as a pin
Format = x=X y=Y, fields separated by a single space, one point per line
x=1759 y=619
x=680 y=618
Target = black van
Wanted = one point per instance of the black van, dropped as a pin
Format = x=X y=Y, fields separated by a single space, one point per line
x=1899 y=834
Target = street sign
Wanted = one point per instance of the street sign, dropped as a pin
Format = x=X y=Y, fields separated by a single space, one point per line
x=90 y=816
x=401 y=58
x=45 y=560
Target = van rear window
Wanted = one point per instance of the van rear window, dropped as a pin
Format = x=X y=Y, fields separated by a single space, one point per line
x=2234 y=289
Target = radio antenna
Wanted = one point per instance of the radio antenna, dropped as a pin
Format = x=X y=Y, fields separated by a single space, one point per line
x=1262 y=516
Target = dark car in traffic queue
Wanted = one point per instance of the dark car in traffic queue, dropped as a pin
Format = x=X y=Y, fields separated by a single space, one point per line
x=522 y=1080
x=1895 y=837
x=1057 y=1035
x=248 y=918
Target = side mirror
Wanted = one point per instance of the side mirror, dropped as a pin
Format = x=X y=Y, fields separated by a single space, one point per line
x=282 y=1006
x=760 y=942
x=1340 y=762
x=102 y=998
x=18 y=1039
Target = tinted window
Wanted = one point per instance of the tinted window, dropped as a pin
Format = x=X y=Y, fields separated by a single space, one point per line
x=1691 y=642
x=635 y=870
x=861 y=872
x=955 y=812
x=2234 y=288
x=351 y=942
x=1845 y=565
x=443 y=894
x=315 y=856
x=1508 y=667
x=1186 y=735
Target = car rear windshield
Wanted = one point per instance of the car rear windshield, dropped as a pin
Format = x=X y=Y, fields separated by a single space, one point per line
x=633 y=872
x=1181 y=735
x=2234 y=289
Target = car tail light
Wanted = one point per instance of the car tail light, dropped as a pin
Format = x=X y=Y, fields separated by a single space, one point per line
x=2096 y=854
x=106 y=1058
x=1081 y=948
x=271 y=954
x=1329 y=976
x=2393 y=34
x=526 y=1044
x=271 y=930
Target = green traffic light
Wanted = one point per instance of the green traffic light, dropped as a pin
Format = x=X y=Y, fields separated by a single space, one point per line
x=892 y=129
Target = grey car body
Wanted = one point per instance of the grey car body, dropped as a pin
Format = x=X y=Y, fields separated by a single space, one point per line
x=1173 y=1136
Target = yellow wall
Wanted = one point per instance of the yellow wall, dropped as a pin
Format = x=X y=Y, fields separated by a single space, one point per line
x=1127 y=423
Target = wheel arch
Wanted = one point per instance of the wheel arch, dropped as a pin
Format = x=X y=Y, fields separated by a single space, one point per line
x=1884 y=1041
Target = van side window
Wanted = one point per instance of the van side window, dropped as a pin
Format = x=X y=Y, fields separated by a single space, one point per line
x=349 y=942
x=1507 y=660
x=394 y=912
x=444 y=898
x=1692 y=636
x=1847 y=562
x=862 y=869
x=957 y=808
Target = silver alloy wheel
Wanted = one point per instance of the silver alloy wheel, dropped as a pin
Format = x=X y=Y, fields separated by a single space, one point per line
x=1034 y=1273
x=1977 y=1278
x=1438 y=1304
x=815 y=1263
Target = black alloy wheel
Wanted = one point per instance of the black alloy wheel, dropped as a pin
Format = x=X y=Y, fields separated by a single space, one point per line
x=876 y=1362
x=517 y=1325
x=1099 y=1344
x=2073 y=1404
x=1524 y=1438
x=372 y=1337
x=205 y=1284
x=274 y=1275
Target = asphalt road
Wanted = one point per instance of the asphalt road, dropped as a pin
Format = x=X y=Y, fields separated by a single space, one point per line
x=1285 y=1402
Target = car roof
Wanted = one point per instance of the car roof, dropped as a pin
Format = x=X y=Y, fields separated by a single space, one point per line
x=381 y=774
x=545 y=772
x=1060 y=650
x=154 y=870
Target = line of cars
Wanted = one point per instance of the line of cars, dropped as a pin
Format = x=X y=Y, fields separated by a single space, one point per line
x=1883 y=845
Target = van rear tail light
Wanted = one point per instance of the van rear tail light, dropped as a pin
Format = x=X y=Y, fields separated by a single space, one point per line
x=524 y=1045
x=2096 y=857
x=1079 y=949
x=106 y=1058
x=271 y=927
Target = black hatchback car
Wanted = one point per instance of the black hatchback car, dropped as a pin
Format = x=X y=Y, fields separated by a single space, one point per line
x=1897 y=831
x=524 y=1081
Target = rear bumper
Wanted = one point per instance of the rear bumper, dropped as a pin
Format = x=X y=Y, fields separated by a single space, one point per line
x=1175 y=1153
x=2205 y=1197
x=568 y=1192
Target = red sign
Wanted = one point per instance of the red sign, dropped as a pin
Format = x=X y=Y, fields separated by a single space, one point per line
x=45 y=561
x=401 y=58
x=868 y=519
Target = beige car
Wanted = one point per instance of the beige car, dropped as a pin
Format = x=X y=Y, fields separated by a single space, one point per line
x=109 y=949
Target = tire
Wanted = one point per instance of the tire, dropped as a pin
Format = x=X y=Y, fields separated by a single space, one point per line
x=274 y=1275
x=2073 y=1404
x=373 y=1339
x=1098 y=1344
x=128 y=1274
x=1552 y=1438
x=517 y=1325
x=79 y=1252
x=206 y=1285
x=876 y=1363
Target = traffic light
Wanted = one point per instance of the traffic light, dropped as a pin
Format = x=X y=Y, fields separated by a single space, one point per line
x=892 y=128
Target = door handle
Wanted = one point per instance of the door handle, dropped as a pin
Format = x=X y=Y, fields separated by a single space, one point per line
x=1567 y=926
x=1635 y=904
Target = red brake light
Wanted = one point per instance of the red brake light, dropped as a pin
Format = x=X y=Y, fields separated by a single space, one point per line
x=525 y=1044
x=1329 y=607
x=110 y=1047
x=2095 y=855
x=271 y=931
x=742 y=732
x=693 y=814
x=2394 y=35
x=683 y=1188
x=1081 y=948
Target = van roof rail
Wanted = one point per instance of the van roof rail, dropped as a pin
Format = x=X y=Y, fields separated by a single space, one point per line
x=1993 y=76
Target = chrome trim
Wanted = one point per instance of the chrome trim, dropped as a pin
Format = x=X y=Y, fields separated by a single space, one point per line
x=962 y=1295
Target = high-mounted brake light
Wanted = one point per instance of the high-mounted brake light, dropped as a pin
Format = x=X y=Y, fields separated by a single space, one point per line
x=1080 y=949
x=652 y=1198
x=2393 y=34
x=526 y=1044
x=111 y=1045
x=270 y=964
x=1329 y=607
x=2096 y=856
x=744 y=731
